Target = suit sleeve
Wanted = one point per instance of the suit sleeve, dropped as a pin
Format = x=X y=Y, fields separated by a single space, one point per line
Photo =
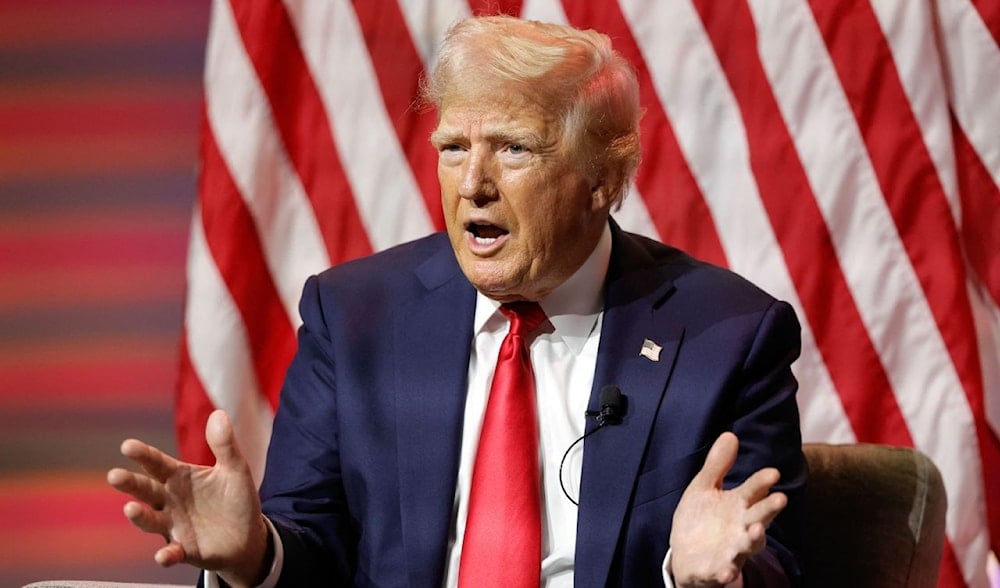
x=766 y=421
x=302 y=492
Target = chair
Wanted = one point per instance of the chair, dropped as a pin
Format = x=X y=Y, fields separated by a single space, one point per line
x=875 y=517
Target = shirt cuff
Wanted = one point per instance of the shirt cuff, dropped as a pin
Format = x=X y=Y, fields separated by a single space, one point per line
x=668 y=578
x=212 y=579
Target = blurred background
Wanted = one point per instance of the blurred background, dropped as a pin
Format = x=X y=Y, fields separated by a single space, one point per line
x=100 y=102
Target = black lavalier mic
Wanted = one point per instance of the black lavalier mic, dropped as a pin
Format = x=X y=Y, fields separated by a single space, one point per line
x=613 y=407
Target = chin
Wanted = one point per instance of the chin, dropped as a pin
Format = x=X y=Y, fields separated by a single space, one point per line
x=506 y=292
x=501 y=290
x=498 y=281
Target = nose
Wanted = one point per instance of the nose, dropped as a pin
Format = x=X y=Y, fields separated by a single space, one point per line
x=477 y=177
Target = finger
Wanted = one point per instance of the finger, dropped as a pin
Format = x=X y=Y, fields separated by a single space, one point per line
x=758 y=485
x=758 y=539
x=719 y=461
x=170 y=554
x=138 y=486
x=756 y=534
x=764 y=511
x=157 y=464
x=222 y=440
x=147 y=519
x=728 y=574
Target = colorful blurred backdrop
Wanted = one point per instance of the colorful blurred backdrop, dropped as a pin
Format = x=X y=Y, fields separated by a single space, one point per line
x=99 y=108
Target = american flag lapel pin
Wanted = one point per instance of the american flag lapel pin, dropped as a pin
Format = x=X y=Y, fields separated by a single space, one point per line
x=650 y=350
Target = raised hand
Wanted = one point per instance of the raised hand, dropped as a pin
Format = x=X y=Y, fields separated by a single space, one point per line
x=715 y=530
x=210 y=517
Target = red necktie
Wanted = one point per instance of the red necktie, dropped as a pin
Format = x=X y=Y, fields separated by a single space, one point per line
x=503 y=536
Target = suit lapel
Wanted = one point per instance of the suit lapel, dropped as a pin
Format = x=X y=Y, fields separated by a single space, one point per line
x=433 y=336
x=634 y=313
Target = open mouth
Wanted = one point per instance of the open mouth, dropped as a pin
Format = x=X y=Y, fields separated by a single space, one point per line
x=485 y=233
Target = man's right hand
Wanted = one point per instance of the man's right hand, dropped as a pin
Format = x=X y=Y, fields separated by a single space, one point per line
x=210 y=517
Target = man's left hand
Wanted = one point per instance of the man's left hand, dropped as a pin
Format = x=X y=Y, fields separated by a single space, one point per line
x=716 y=530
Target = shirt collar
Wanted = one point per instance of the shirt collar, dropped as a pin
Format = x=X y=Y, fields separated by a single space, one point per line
x=572 y=308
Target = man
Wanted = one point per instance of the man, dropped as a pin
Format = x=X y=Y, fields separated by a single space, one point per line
x=383 y=465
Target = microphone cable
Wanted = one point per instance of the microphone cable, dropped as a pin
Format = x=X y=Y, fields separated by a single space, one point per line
x=612 y=411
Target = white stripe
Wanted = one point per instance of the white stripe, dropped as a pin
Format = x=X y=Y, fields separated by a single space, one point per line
x=878 y=272
x=973 y=62
x=219 y=351
x=972 y=59
x=987 y=318
x=907 y=26
x=634 y=216
x=693 y=90
x=428 y=20
x=822 y=414
x=240 y=118
x=385 y=192
x=544 y=11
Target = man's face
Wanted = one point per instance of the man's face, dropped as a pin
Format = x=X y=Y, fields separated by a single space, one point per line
x=520 y=211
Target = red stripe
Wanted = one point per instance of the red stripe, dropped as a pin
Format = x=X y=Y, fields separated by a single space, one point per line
x=863 y=60
x=68 y=117
x=83 y=383
x=399 y=68
x=980 y=199
x=671 y=195
x=191 y=410
x=236 y=249
x=981 y=237
x=950 y=574
x=802 y=233
x=61 y=502
x=74 y=23
x=305 y=129
x=92 y=245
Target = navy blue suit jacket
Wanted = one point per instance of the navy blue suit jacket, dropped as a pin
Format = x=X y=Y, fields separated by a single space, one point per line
x=362 y=467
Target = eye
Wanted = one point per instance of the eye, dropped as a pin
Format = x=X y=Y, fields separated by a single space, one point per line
x=517 y=149
x=451 y=154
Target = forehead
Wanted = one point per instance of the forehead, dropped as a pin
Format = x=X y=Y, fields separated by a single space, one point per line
x=498 y=115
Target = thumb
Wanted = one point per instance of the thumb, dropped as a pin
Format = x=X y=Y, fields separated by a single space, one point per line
x=222 y=440
x=719 y=461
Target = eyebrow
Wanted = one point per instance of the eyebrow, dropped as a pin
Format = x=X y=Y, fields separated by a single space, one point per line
x=449 y=137
x=519 y=136
x=445 y=137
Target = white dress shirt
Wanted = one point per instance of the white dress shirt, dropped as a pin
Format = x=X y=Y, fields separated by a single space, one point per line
x=565 y=355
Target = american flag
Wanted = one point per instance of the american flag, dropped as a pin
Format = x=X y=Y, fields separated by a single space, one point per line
x=842 y=154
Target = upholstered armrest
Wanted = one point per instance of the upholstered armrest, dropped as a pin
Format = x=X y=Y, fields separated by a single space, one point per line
x=876 y=516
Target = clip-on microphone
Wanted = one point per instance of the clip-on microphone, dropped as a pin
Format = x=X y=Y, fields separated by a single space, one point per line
x=613 y=405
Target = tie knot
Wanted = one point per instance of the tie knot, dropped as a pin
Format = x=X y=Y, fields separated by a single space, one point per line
x=524 y=317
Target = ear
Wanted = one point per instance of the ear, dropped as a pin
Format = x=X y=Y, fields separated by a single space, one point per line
x=599 y=195
x=605 y=191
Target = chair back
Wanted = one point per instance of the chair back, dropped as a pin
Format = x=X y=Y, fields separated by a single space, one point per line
x=875 y=517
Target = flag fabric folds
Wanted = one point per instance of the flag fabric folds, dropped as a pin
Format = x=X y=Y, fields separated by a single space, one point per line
x=842 y=154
